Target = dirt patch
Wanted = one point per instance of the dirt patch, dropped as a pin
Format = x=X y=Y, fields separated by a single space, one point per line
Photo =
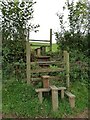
x=83 y=114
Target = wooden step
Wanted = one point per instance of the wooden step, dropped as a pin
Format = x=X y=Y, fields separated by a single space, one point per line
x=71 y=99
x=42 y=89
x=47 y=70
x=53 y=87
x=69 y=94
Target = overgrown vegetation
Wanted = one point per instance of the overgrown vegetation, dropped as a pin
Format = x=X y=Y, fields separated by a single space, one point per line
x=20 y=99
x=16 y=21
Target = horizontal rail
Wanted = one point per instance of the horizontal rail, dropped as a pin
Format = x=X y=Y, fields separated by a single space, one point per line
x=48 y=62
x=40 y=40
x=40 y=45
x=51 y=78
x=47 y=70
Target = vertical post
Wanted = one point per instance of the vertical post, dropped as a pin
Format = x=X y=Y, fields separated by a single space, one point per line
x=45 y=79
x=43 y=50
x=62 y=93
x=50 y=39
x=38 y=51
x=40 y=96
x=28 y=56
x=66 y=66
x=55 y=99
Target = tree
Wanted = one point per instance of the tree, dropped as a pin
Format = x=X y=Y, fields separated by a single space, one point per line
x=16 y=20
x=74 y=37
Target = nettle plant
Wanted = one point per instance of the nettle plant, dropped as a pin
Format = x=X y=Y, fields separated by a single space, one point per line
x=16 y=20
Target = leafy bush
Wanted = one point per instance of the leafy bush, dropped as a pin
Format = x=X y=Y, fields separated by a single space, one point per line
x=16 y=20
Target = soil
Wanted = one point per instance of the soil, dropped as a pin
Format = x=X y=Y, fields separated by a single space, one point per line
x=83 y=114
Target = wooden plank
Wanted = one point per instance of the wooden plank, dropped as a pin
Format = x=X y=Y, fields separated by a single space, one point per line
x=53 y=87
x=51 y=78
x=69 y=94
x=41 y=70
x=61 y=88
x=71 y=99
x=42 y=89
x=48 y=62
x=40 y=45
x=40 y=40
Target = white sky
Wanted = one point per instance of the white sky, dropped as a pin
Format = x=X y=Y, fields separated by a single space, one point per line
x=45 y=15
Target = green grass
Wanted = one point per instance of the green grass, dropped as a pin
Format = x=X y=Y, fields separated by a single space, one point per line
x=22 y=100
x=54 y=46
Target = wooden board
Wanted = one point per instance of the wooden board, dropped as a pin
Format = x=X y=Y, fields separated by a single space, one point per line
x=42 y=89
x=47 y=70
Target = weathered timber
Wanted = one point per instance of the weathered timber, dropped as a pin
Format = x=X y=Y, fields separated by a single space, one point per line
x=47 y=70
x=40 y=91
x=43 y=50
x=40 y=40
x=66 y=66
x=50 y=39
x=48 y=62
x=71 y=98
x=62 y=91
x=38 y=51
x=40 y=45
x=51 y=78
x=54 y=97
x=45 y=80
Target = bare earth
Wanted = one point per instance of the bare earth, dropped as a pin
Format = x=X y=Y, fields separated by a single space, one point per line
x=83 y=114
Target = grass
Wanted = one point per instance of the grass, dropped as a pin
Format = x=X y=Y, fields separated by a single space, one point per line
x=21 y=99
x=54 y=46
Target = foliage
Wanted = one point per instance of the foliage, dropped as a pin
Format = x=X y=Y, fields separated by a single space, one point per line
x=16 y=20
x=75 y=37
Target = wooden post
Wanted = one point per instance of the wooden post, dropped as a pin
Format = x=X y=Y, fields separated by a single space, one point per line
x=72 y=101
x=62 y=93
x=50 y=39
x=40 y=96
x=43 y=50
x=28 y=55
x=45 y=81
x=66 y=66
x=54 y=98
x=38 y=51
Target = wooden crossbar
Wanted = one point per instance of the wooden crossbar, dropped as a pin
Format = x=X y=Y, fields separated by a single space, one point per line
x=40 y=40
x=42 y=89
x=47 y=70
x=69 y=94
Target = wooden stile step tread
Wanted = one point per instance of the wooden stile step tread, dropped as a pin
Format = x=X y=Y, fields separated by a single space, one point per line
x=42 y=89
x=61 y=88
x=47 y=70
x=53 y=87
x=69 y=94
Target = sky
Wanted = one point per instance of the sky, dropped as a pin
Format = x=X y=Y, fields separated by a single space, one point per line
x=45 y=15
